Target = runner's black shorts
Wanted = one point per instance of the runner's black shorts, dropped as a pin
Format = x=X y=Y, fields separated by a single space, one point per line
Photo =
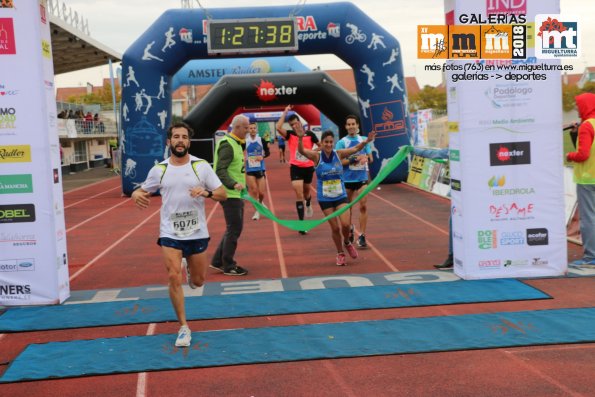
x=355 y=185
x=332 y=204
x=301 y=173
x=188 y=247
x=256 y=174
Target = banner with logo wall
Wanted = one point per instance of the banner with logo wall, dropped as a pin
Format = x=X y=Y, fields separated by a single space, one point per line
x=33 y=260
x=507 y=185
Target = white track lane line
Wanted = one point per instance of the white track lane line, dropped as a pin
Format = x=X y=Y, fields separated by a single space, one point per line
x=91 y=184
x=212 y=212
x=124 y=237
x=410 y=214
x=141 y=383
x=376 y=251
x=92 y=261
x=382 y=257
x=327 y=364
x=527 y=364
x=95 y=216
x=282 y=264
x=92 y=197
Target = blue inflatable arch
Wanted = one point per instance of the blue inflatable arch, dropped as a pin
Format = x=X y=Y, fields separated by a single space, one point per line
x=178 y=36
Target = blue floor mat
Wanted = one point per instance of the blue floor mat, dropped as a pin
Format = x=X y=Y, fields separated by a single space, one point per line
x=303 y=342
x=266 y=304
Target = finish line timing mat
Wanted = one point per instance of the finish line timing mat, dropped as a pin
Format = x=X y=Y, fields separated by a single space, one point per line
x=266 y=304
x=302 y=342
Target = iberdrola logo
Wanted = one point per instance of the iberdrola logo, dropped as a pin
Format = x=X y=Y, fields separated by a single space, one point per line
x=267 y=91
x=497 y=182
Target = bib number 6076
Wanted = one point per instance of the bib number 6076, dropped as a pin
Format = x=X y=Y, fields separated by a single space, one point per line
x=185 y=224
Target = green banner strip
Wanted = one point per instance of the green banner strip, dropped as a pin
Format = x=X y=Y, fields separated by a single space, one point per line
x=312 y=223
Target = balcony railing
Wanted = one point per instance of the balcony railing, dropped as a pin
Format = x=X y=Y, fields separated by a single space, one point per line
x=75 y=128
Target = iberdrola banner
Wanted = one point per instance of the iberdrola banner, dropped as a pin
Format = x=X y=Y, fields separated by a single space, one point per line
x=33 y=260
x=508 y=210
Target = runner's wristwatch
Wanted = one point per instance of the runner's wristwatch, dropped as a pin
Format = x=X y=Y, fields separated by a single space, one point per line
x=209 y=193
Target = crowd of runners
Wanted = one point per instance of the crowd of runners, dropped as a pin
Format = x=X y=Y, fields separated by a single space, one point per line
x=185 y=182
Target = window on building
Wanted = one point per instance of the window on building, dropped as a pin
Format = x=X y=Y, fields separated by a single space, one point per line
x=176 y=108
x=80 y=152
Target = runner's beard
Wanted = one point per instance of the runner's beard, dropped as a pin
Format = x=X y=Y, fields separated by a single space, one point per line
x=176 y=153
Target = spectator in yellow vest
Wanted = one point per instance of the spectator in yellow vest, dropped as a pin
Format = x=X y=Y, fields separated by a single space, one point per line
x=230 y=168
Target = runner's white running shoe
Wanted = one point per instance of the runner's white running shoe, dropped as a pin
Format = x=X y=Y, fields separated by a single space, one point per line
x=256 y=216
x=184 y=337
x=309 y=211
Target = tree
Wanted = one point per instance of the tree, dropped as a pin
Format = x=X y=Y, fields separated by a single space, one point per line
x=91 y=98
x=589 y=87
x=429 y=98
x=568 y=94
x=102 y=96
x=176 y=119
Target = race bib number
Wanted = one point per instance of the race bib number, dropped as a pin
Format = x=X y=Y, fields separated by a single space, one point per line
x=300 y=157
x=185 y=223
x=357 y=166
x=332 y=188
x=253 y=162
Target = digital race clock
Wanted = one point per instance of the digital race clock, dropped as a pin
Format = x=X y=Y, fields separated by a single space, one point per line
x=251 y=35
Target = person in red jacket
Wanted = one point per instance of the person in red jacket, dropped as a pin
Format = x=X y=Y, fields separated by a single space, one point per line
x=301 y=169
x=584 y=177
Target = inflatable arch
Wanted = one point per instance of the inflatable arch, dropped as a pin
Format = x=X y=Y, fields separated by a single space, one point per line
x=309 y=113
x=209 y=71
x=179 y=36
x=231 y=92
x=203 y=144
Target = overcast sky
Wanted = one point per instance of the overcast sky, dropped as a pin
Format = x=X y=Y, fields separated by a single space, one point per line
x=117 y=23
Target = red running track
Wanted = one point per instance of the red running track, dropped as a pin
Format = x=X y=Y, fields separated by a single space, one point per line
x=111 y=244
